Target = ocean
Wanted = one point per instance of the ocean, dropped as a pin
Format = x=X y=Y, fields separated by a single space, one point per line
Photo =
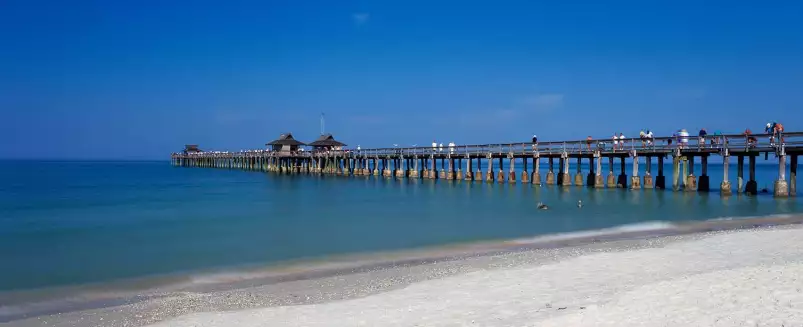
x=73 y=223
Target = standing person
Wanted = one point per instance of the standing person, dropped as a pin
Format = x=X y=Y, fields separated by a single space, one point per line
x=777 y=132
x=440 y=148
x=643 y=137
x=621 y=141
x=615 y=142
x=434 y=146
x=588 y=142
x=649 y=137
x=751 y=140
x=684 y=138
x=701 y=136
x=451 y=147
x=770 y=129
x=717 y=138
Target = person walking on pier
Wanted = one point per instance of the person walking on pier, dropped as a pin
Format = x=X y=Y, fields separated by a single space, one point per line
x=615 y=142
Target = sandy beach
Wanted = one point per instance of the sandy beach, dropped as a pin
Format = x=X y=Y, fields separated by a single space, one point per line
x=730 y=278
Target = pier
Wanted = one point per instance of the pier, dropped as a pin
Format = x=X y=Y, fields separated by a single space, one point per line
x=495 y=163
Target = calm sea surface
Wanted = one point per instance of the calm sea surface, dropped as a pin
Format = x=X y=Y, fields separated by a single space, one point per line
x=66 y=223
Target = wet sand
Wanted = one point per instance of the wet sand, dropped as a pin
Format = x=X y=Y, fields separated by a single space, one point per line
x=691 y=277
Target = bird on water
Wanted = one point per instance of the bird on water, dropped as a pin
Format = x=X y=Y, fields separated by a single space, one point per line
x=542 y=206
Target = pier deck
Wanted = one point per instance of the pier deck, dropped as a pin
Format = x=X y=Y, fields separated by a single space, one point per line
x=465 y=162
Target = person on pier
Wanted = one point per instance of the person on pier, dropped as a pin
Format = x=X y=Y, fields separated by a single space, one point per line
x=615 y=141
x=752 y=141
x=683 y=141
x=621 y=141
x=434 y=146
x=535 y=142
x=643 y=136
x=701 y=138
x=777 y=132
x=770 y=129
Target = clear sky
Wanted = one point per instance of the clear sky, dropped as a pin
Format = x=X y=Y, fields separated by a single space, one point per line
x=139 y=79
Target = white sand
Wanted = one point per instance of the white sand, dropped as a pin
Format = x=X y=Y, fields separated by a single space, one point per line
x=748 y=278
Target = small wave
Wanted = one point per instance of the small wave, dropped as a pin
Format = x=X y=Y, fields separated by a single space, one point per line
x=644 y=226
x=730 y=218
x=225 y=277
x=647 y=226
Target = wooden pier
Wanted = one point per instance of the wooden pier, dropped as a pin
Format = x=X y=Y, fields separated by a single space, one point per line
x=486 y=162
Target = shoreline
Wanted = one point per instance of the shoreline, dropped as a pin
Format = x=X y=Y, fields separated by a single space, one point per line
x=369 y=266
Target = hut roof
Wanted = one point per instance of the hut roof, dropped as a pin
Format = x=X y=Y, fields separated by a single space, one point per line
x=192 y=148
x=326 y=140
x=286 y=139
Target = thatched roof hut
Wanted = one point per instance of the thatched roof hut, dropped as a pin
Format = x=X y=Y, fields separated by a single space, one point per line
x=191 y=148
x=285 y=142
x=326 y=141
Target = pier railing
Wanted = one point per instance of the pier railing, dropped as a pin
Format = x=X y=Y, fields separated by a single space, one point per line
x=711 y=143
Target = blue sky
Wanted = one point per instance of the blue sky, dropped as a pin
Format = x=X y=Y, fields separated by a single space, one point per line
x=138 y=79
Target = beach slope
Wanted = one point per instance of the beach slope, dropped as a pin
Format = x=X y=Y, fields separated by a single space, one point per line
x=749 y=277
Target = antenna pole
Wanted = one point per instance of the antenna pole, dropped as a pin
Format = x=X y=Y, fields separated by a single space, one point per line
x=323 y=124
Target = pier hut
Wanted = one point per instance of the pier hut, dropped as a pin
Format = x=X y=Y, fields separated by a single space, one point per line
x=191 y=148
x=285 y=143
x=326 y=142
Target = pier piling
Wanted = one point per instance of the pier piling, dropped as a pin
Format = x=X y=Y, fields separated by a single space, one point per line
x=622 y=182
x=703 y=184
x=691 y=180
x=752 y=184
x=725 y=186
x=537 y=169
x=500 y=178
x=512 y=174
x=525 y=174
x=578 y=176
x=781 y=187
x=489 y=176
x=550 y=175
x=793 y=175
x=611 y=177
x=565 y=178
x=598 y=182
x=648 y=179
x=635 y=181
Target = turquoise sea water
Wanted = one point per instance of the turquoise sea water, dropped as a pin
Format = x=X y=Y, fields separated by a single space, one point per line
x=67 y=223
